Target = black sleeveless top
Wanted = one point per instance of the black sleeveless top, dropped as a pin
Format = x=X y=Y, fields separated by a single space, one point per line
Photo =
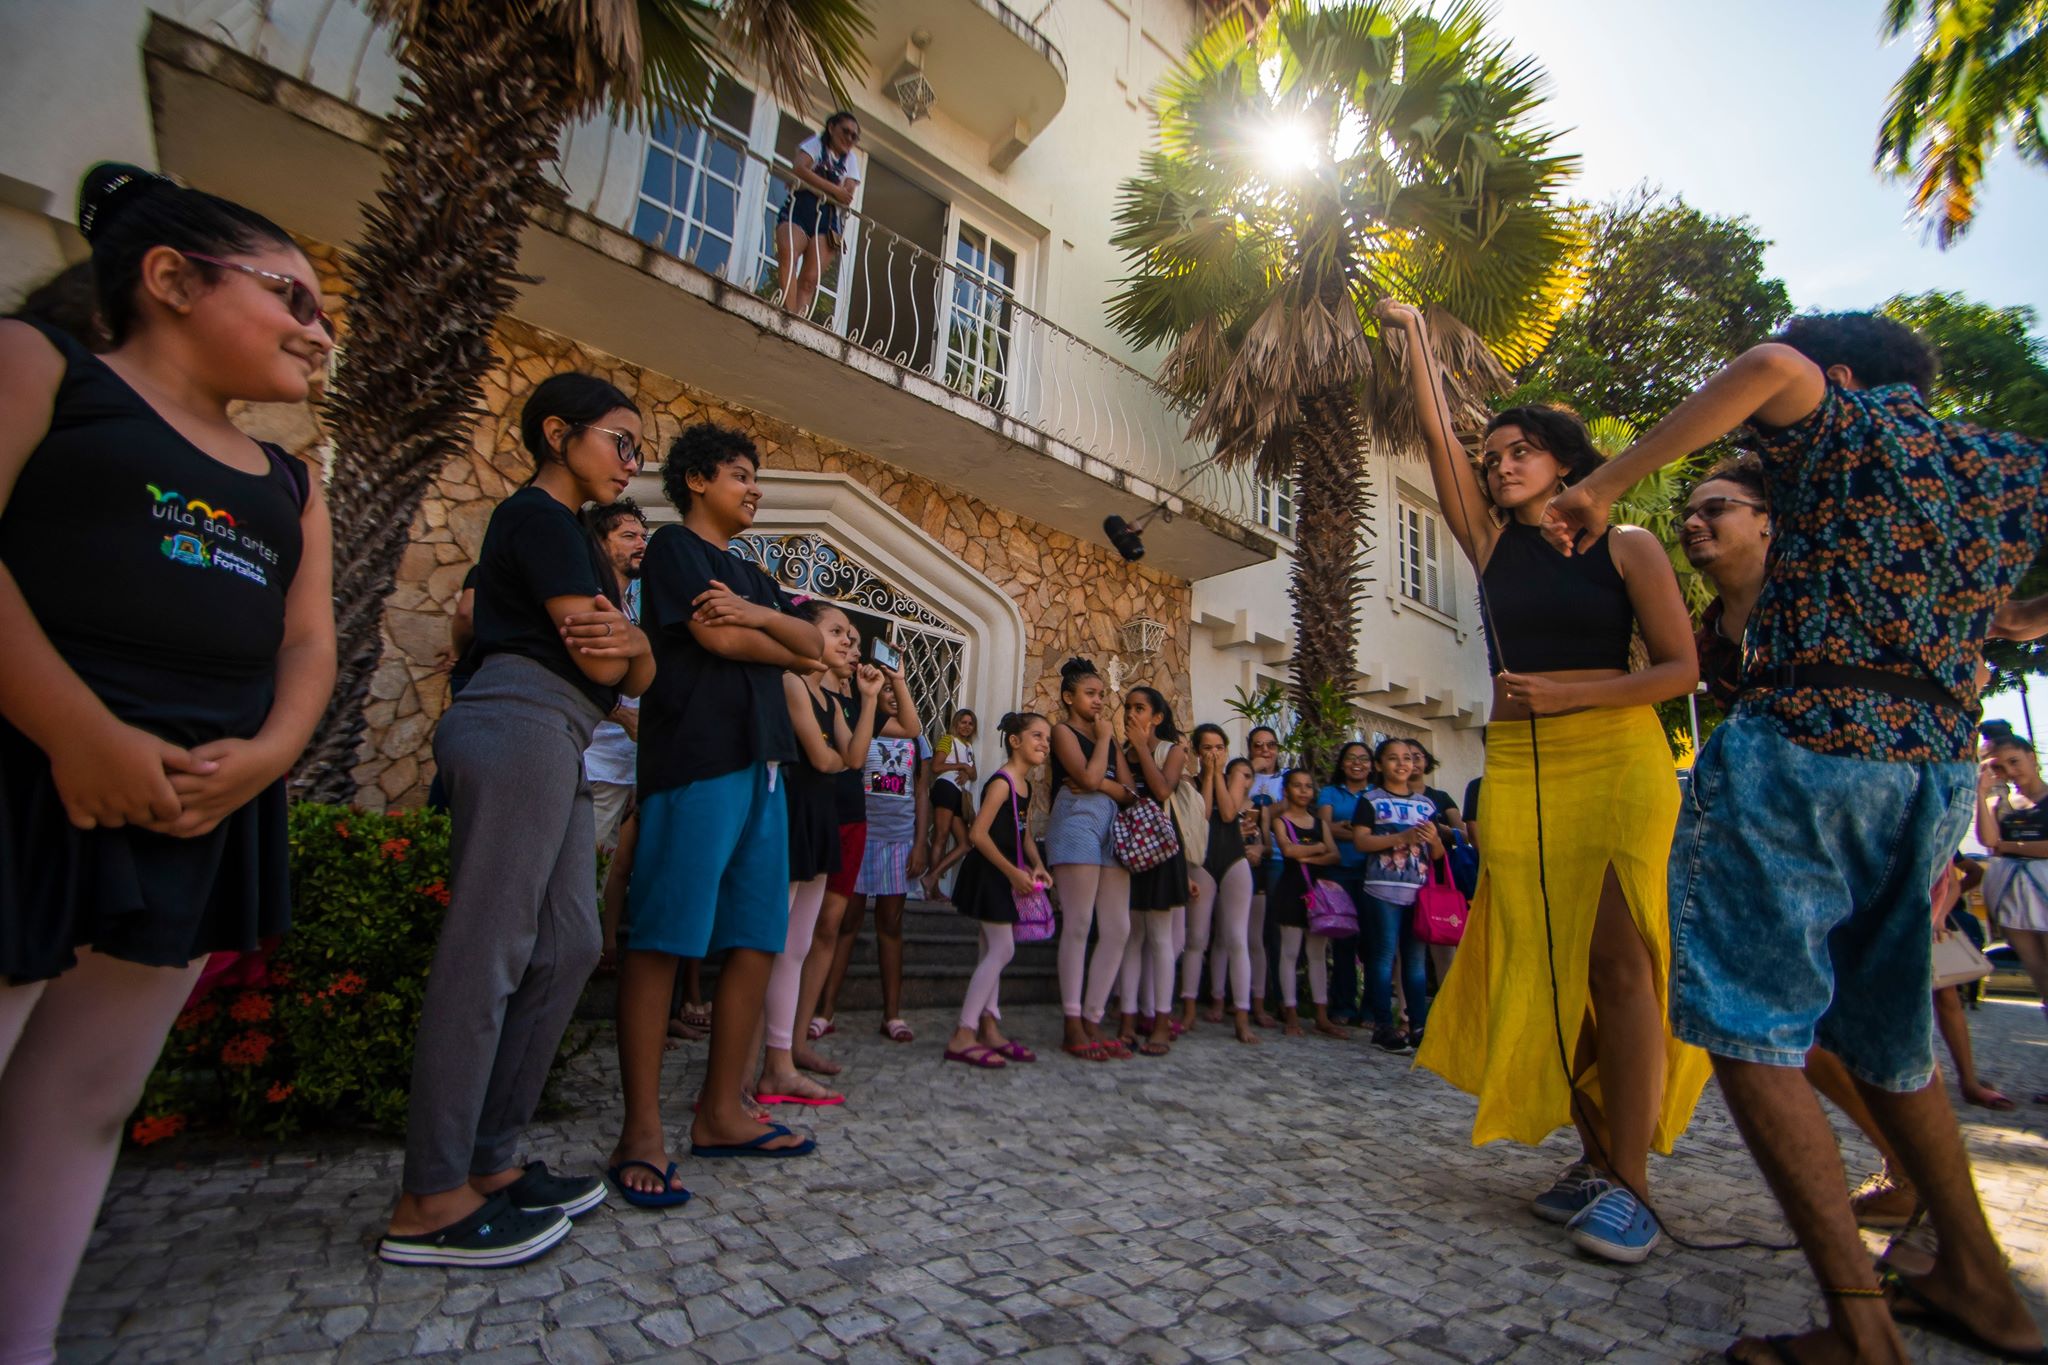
x=160 y=575
x=1552 y=612
x=1087 y=743
x=849 y=788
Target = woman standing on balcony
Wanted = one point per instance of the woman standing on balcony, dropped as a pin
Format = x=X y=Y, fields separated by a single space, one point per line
x=808 y=230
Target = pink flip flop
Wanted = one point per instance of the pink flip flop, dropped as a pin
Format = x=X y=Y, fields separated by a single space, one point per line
x=1016 y=1052
x=824 y=1103
x=984 y=1058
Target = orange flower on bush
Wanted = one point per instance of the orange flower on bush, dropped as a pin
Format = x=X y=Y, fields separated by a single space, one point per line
x=197 y=1015
x=279 y=1092
x=156 y=1127
x=249 y=1049
x=250 y=1008
x=341 y=829
x=435 y=891
x=394 y=849
x=349 y=983
x=280 y=974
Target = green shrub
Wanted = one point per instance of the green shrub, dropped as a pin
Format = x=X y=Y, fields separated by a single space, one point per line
x=320 y=1033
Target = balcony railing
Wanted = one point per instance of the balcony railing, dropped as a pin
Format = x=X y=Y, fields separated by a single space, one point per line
x=953 y=321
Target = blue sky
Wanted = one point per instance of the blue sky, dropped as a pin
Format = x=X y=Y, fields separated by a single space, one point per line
x=1769 y=109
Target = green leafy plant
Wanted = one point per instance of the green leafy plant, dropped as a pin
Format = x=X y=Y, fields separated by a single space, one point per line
x=1262 y=707
x=1329 y=719
x=319 y=1031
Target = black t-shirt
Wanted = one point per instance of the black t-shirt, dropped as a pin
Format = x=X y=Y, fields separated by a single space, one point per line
x=1470 y=808
x=849 y=787
x=1443 y=804
x=536 y=549
x=705 y=715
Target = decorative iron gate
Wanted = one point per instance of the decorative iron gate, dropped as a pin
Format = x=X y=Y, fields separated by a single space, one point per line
x=934 y=651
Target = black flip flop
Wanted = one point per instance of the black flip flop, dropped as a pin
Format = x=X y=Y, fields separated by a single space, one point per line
x=1932 y=1317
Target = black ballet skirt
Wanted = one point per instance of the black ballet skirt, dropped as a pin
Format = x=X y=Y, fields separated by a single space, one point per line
x=1165 y=886
x=159 y=574
x=813 y=812
x=980 y=890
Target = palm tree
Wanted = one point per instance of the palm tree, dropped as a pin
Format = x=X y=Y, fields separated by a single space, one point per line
x=1308 y=168
x=490 y=85
x=1980 y=76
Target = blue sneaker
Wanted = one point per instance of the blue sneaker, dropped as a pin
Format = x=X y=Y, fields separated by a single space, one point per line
x=1579 y=1186
x=1617 y=1226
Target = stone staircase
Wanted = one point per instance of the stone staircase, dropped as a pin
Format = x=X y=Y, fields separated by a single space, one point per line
x=940 y=948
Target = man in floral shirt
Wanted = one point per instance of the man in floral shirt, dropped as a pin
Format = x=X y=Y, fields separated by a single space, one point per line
x=1819 y=812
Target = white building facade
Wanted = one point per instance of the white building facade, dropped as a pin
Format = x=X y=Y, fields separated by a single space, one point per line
x=944 y=434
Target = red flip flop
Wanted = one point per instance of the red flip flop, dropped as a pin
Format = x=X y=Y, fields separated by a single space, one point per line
x=824 y=1103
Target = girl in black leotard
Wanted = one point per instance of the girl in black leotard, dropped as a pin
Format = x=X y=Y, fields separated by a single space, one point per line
x=164 y=595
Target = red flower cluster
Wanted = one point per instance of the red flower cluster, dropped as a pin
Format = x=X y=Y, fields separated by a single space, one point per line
x=200 y=1013
x=341 y=829
x=435 y=891
x=279 y=1092
x=156 y=1127
x=249 y=1049
x=250 y=1007
x=394 y=849
x=348 y=983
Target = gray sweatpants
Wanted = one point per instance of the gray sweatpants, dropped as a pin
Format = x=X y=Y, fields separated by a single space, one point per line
x=521 y=934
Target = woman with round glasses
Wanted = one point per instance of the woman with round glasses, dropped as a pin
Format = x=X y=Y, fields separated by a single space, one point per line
x=808 y=231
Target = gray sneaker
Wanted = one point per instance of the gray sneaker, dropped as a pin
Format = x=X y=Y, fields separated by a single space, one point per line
x=1577 y=1188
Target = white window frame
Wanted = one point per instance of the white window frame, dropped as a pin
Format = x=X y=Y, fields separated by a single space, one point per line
x=1275 y=505
x=1422 y=573
x=943 y=353
x=747 y=191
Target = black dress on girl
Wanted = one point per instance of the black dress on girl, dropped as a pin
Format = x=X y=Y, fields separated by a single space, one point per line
x=813 y=810
x=1287 y=903
x=1226 y=846
x=1165 y=886
x=160 y=575
x=980 y=890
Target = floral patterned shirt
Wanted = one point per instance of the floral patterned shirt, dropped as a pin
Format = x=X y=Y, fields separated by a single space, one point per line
x=1896 y=536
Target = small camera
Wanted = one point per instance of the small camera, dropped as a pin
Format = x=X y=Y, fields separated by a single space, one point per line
x=882 y=654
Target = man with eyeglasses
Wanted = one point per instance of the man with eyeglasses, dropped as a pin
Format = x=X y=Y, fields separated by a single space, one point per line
x=620 y=529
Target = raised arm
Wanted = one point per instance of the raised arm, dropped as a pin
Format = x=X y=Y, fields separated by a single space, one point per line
x=904 y=724
x=1772 y=384
x=817 y=750
x=1459 y=494
x=2022 y=618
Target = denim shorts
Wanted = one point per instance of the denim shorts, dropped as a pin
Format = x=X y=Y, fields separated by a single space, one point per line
x=1801 y=907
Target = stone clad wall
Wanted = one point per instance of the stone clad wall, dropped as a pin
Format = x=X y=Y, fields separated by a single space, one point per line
x=1072 y=594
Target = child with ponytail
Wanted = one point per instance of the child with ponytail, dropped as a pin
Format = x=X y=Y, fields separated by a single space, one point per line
x=1002 y=863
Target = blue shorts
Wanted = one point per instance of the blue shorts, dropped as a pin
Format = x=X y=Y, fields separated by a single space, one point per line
x=711 y=871
x=1081 y=829
x=1801 y=907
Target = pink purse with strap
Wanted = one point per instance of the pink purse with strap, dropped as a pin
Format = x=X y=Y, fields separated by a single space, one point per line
x=1034 y=908
x=1440 y=911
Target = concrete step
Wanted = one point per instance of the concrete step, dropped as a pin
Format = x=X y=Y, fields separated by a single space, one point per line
x=940 y=949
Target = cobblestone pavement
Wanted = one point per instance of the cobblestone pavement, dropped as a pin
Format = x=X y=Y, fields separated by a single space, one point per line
x=1308 y=1200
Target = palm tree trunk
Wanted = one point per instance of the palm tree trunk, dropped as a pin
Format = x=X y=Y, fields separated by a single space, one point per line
x=479 y=125
x=1331 y=501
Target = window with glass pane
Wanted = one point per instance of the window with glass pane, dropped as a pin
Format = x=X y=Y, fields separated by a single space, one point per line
x=1276 y=505
x=982 y=321
x=690 y=186
x=1419 y=543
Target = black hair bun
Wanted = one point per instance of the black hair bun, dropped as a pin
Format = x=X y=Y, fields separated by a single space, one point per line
x=1078 y=667
x=110 y=186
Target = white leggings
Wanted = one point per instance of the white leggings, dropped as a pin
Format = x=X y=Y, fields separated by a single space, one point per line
x=786 y=978
x=74 y=1053
x=1318 y=966
x=998 y=946
x=1255 y=945
x=1099 y=897
x=1229 y=906
x=1145 y=984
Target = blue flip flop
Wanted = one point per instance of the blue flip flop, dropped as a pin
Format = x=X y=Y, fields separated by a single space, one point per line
x=643 y=1199
x=759 y=1146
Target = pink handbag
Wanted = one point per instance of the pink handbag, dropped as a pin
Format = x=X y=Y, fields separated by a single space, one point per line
x=1034 y=910
x=1331 y=912
x=1440 y=912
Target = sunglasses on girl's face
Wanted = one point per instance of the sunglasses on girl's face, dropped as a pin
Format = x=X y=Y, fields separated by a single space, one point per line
x=1713 y=509
x=299 y=301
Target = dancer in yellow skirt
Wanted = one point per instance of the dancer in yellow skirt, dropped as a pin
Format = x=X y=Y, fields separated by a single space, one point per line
x=1567 y=953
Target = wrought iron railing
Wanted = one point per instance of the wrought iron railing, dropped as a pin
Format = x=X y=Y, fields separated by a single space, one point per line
x=952 y=321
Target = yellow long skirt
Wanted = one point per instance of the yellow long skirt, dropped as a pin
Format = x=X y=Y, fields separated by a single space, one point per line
x=1609 y=799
